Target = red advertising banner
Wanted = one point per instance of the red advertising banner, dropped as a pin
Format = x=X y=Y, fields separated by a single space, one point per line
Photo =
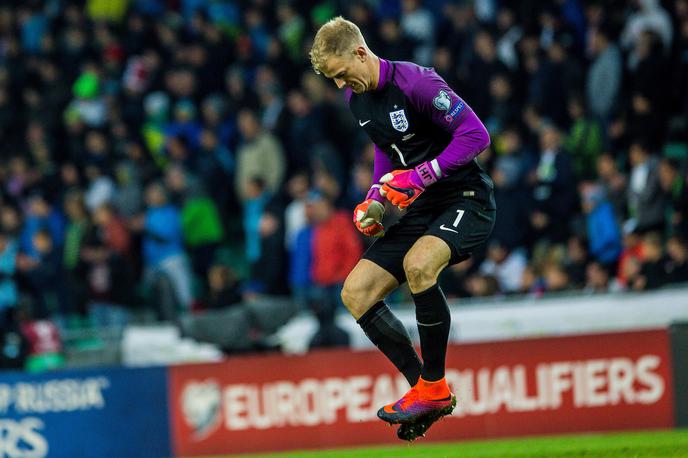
x=330 y=398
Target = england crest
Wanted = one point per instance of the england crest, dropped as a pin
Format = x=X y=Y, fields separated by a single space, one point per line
x=399 y=121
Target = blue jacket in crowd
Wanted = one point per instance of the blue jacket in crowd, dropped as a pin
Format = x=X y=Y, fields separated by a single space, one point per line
x=604 y=236
x=163 y=235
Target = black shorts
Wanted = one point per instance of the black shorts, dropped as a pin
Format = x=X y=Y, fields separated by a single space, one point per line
x=463 y=218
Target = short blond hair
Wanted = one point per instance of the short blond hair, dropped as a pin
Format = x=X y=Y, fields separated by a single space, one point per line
x=336 y=37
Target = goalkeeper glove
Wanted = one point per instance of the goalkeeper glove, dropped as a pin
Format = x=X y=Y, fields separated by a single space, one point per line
x=403 y=187
x=368 y=215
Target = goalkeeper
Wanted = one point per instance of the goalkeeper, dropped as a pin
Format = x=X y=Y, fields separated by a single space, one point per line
x=426 y=140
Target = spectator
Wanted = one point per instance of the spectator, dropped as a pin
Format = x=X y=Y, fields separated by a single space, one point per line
x=555 y=278
x=505 y=265
x=156 y=108
x=417 y=23
x=503 y=110
x=649 y=16
x=185 y=125
x=604 y=76
x=8 y=286
x=300 y=262
x=614 y=184
x=43 y=272
x=481 y=285
x=295 y=213
x=393 y=42
x=676 y=265
x=88 y=106
x=678 y=95
x=131 y=172
x=304 y=127
x=645 y=201
x=647 y=65
x=604 y=235
x=163 y=246
x=257 y=149
x=483 y=64
x=336 y=247
x=336 y=250
x=596 y=278
x=551 y=80
x=44 y=346
x=216 y=119
x=200 y=218
x=101 y=188
x=41 y=214
x=291 y=30
x=14 y=347
x=584 y=140
x=630 y=259
x=652 y=274
x=256 y=199
x=107 y=262
x=223 y=288
x=511 y=195
x=268 y=274
x=78 y=227
x=576 y=260
x=271 y=100
x=673 y=185
x=217 y=165
x=510 y=32
x=553 y=188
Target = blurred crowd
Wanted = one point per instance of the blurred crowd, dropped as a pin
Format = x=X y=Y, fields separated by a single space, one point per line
x=181 y=154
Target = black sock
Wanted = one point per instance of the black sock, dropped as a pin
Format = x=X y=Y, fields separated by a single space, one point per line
x=432 y=315
x=389 y=335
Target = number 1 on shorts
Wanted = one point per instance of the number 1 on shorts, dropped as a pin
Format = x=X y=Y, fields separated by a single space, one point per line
x=458 y=218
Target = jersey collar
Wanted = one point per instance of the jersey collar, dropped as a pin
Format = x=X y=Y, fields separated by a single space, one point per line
x=385 y=73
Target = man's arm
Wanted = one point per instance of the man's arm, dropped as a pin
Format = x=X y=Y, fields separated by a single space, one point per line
x=382 y=166
x=432 y=97
x=369 y=213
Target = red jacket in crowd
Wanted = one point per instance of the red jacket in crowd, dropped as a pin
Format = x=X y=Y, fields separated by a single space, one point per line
x=336 y=250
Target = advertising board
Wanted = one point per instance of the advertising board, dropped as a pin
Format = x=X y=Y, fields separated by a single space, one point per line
x=589 y=382
x=87 y=413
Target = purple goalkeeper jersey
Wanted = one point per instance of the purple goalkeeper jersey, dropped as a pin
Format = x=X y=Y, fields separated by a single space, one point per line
x=412 y=117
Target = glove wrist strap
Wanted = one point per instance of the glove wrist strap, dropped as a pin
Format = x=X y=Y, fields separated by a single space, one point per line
x=374 y=194
x=429 y=172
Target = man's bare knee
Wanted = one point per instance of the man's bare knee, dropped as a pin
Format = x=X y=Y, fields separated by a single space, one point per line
x=366 y=285
x=424 y=262
x=419 y=277
x=357 y=300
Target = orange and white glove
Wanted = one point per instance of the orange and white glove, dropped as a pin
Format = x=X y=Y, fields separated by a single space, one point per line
x=403 y=187
x=368 y=216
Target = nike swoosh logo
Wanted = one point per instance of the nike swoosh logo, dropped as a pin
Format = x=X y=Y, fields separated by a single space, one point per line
x=409 y=192
x=364 y=122
x=448 y=229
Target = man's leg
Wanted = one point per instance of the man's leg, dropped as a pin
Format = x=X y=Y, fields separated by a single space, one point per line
x=430 y=399
x=363 y=294
x=423 y=264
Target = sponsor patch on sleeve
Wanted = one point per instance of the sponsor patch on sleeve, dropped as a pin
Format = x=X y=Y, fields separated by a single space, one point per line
x=454 y=111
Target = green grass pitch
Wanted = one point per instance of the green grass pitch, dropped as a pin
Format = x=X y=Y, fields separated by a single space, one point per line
x=663 y=443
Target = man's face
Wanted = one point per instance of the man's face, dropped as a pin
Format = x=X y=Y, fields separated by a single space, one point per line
x=350 y=70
